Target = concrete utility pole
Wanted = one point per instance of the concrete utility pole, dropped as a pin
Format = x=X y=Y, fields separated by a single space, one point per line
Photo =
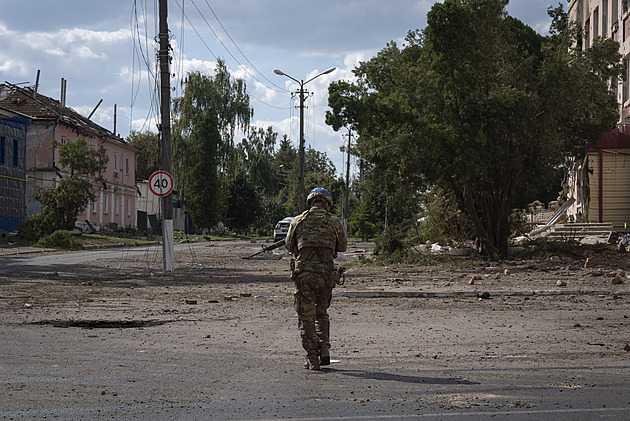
x=165 y=130
x=346 y=213
x=302 y=92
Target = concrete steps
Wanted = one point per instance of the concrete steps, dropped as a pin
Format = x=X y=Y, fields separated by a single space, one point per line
x=578 y=231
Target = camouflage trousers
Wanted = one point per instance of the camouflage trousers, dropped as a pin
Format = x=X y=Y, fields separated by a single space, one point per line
x=313 y=294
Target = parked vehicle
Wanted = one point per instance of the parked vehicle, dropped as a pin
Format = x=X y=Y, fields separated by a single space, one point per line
x=281 y=229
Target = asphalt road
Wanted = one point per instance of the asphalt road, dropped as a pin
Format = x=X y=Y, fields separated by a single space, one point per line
x=198 y=346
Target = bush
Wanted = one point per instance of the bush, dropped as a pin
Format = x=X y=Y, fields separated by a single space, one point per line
x=444 y=223
x=60 y=239
x=391 y=243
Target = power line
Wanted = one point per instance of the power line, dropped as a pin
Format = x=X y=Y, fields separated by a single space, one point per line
x=229 y=52
x=239 y=50
x=216 y=58
x=142 y=54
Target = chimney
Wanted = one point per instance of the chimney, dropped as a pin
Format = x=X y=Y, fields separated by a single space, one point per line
x=63 y=92
x=36 y=85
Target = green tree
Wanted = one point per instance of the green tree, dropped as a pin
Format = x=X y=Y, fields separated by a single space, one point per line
x=206 y=117
x=243 y=207
x=286 y=166
x=148 y=159
x=61 y=204
x=257 y=155
x=481 y=106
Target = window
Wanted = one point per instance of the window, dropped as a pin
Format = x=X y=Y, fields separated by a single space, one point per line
x=624 y=88
x=105 y=203
x=128 y=208
x=115 y=165
x=596 y=23
x=587 y=35
x=3 y=146
x=605 y=18
x=127 y=165
x=117 y=205
x=16 y=153
x=63 y=140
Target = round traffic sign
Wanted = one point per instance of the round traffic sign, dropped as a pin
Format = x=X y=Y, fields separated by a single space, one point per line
x=161 y=183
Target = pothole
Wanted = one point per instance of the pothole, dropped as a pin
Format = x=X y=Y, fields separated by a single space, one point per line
x=102 y=324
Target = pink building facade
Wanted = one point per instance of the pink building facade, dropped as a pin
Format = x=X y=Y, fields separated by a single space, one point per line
x=115 y=203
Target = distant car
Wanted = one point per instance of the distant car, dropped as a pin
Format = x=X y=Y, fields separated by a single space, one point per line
x=281 y=229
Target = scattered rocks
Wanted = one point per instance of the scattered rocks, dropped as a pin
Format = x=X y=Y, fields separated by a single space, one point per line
x=591 y=262
x=616 y=280
x=626 y=348
x=561 y=284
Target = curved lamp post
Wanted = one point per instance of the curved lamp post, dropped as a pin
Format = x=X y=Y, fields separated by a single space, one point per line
x=302 y=93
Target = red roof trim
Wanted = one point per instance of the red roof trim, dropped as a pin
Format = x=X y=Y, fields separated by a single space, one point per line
x=617 y=138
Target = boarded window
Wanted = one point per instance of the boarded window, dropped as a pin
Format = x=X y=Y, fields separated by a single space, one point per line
x=3 y=150
x=16 y=153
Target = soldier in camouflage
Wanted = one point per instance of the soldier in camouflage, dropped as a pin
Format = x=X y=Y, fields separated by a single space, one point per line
x=314 y=238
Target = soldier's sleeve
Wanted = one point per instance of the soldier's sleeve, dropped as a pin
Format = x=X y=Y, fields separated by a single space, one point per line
x=291 y=239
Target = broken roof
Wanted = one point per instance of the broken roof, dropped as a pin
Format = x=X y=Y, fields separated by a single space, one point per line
x=36 y=106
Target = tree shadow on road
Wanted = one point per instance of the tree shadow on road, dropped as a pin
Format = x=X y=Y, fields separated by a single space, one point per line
x=377 y=375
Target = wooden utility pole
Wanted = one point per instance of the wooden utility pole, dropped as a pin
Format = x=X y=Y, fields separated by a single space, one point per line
x=165 y=130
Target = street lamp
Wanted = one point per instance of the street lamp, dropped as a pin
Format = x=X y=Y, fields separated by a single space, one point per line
x=302 y=93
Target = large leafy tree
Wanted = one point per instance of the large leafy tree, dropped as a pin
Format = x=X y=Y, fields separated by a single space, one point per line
x=207 y=116
x=481 y=105
x=257 y=152
x=253 y=183
x=286 y=166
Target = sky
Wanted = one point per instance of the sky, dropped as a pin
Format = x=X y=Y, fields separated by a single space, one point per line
x=106 y=50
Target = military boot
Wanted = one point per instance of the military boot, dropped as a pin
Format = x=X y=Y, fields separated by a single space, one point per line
x=312 y=363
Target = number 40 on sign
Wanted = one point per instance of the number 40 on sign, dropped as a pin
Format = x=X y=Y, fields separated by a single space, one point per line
x=161 y=183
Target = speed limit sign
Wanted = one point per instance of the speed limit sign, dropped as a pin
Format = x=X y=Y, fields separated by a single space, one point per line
x=161 y=183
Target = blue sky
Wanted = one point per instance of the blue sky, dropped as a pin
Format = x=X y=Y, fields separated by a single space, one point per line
x=91 y=45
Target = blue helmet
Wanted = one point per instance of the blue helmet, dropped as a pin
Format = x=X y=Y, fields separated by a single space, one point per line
x=319 y=193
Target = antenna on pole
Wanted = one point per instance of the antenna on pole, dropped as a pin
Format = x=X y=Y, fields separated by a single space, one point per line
x=165 y=130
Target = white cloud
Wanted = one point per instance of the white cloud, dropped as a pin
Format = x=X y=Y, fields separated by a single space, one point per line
x=14 y=66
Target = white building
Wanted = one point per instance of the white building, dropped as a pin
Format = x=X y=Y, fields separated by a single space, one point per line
x=601 y=183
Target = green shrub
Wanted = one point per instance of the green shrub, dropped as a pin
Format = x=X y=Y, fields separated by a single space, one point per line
x=60 y=239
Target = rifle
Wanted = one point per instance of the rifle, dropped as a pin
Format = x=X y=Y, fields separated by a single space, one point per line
x=339 y=274
x=268 y=248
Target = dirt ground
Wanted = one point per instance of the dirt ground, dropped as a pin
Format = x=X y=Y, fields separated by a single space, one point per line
x=108 y=335
x=216 y=270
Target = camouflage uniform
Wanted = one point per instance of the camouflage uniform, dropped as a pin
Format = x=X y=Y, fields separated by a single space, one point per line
x=314 y=238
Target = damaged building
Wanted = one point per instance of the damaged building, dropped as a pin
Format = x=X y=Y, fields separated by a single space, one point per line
x=600 y=184
x=51 y=120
